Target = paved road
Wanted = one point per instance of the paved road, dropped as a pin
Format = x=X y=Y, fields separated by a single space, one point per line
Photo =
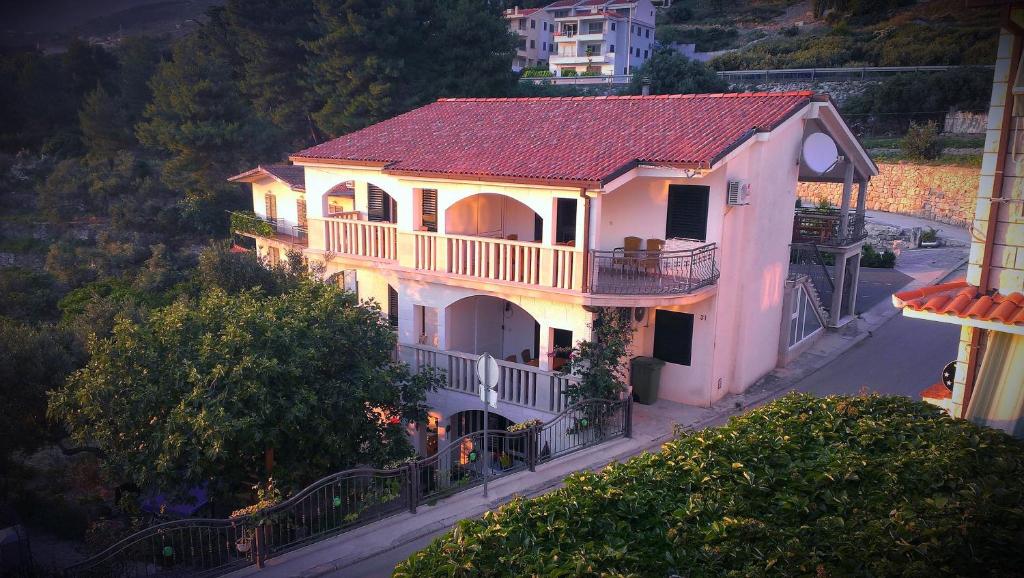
x=903 y=357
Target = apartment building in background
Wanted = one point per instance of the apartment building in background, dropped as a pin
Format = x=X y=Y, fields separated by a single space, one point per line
x=478 y=235
x=986 y=381
x=584 y=37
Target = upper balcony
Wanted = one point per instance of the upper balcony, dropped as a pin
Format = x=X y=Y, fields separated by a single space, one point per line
x=825 y=227
x=255 y=226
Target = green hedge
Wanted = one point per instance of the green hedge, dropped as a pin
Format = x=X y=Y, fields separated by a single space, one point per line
x=839 y=486
x=250 y=222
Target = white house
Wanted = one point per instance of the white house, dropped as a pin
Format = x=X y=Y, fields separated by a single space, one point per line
x=535 y=28
x=500 y=225
x=605 y=37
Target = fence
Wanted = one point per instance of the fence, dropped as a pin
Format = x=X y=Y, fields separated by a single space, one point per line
x=345 y=500
x=806 y=259
x=640 y=272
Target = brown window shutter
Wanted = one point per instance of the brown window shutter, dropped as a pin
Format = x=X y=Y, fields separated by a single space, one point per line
x=430 y=210
x=271 y=207
x=392 y=306
x=300 y=208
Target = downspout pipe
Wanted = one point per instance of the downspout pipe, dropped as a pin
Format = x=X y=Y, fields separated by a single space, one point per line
x=984 y=281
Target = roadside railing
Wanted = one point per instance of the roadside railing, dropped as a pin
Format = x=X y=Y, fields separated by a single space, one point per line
x=825 y=227
x=352 y=498
x=640 y=272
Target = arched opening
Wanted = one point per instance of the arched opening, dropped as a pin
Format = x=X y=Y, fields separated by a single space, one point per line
x=495 y=216
x=340 y=199
x=484 y=324
x=380 y=206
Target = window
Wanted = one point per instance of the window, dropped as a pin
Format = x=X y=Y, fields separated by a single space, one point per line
x=638 y=31
x=270 y=207
x=611 y=48
x=613 y=26
x=544 y=46
x=687 y=216
x=533 y=24
x=273 y=256
x=552 y=46
x=380 y=206
x=392 y=306
x=673 y=336
x=522 y=24
x=300 y=210
x=565 y=220
x=645 y=54
x=595 y=28
x=522 y=43
x=544 y=26
x=593 y=50
x=533 y=43
x=647 y=33
x=428 y=212
x=803 y=322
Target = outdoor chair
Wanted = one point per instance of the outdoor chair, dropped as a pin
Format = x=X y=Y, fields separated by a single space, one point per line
x=629 y=251
x=527 y=358
x=652 y=256
x=511 y=358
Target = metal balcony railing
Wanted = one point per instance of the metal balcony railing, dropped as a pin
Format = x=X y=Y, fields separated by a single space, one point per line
x=267 y=228
x=621 y=272
x=824 y=227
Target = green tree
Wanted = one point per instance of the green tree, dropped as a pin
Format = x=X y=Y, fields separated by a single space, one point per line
x=104 y=126
x=202 y=392
x=599 y=363
x=271 y=43
x=201 y=125
x=36 y=359
x=672 y=73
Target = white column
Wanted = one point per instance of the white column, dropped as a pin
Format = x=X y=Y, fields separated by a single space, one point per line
x=844 y=216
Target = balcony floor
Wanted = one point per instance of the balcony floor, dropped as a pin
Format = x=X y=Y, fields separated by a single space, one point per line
x=627 y=280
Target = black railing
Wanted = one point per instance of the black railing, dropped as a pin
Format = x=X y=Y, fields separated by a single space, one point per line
x=268 y=228
x=806 y=259
x=622 y=272
x=825 y=227
x=352 y=498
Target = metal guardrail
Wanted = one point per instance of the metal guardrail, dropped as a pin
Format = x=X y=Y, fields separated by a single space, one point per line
x=806 y=259
x=268 y=228
x=769 y=75
x=622 y=272
x=352 y=498
x=825 y=227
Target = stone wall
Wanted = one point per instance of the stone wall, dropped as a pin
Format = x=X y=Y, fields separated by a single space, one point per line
x=940 y=193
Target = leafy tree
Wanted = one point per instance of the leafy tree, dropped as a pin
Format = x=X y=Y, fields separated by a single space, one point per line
x=232 y=272
x=271 y=44
x=599 y=363
x=36 y=359
x=203 y=392
x=672 y=73
x=105 y=130
x=922 y=141
x=28 y=295
x=200 y=123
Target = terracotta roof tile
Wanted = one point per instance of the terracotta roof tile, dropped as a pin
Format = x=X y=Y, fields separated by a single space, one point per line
x=292 y=175
x=522 y=12
x=582 y=139
x=962 y=300
x=937 y=391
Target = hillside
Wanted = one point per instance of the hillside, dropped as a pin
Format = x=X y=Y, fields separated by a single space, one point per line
x=802 y=34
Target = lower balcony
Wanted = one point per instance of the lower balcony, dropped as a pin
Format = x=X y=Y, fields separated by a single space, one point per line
x=825 y=227
x=519 y=384
x=271 y=229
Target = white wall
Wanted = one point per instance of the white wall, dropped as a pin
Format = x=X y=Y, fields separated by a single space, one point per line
x=490 y=213
x=287 y=202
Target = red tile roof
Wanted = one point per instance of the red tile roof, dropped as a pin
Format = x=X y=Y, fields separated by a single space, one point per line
x=562 y=4
x=937 y=391
x=522 y=12
x=572 y=139
x=292 y=175
x=964 y=301
x=589 y=3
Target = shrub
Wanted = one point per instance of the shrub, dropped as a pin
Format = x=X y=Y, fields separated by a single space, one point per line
x=591 y=73
x=537 y=73
x=870 y=257
x=922 y=141
x=930 y=235
x=840 y=486
x=672 y=73
x=250 y=222
x=569 y=72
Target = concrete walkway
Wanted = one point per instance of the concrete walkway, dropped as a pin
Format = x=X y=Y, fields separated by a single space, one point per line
x=373 y=549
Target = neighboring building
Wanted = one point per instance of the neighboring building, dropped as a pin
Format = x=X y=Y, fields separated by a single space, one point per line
x=535 y=28
x=605 y=37
x=988 y=382
x=476 y=234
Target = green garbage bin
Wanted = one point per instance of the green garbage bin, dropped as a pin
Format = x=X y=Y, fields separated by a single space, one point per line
x=644 y=377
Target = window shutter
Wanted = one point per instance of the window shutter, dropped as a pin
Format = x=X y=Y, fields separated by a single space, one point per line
x=430 y=209
x=392 y=306
x=270 y=207
x=300 y=208
x=673 y=336
x=687 y=216
x=376 y=209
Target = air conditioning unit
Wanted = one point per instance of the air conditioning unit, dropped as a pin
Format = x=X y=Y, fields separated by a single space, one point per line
x=737 y=194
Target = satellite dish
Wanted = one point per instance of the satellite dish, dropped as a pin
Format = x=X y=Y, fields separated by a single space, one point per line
x=820 y=153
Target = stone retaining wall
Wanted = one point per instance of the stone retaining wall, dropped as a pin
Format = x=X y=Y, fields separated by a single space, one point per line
x=940 y=193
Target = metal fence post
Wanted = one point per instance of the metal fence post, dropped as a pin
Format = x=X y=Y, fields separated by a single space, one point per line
x=413 y=485
x=260 y=545
x=531 y=447
x=629 y=417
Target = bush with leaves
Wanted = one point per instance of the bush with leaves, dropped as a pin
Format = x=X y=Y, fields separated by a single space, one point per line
x=672 y=73
x=199 y=392
x=805 y=486
x=870 y=257
x=922 y=141
x=599 y=363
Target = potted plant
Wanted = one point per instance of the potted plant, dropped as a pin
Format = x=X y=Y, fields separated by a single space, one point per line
x=930 y=238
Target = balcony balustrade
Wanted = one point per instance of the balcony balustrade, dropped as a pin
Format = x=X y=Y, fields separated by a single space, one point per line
x=825 y=227
x=641 y=272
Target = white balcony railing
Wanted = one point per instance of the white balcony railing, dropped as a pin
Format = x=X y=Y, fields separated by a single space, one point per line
x=361 y=238
x=518 y=384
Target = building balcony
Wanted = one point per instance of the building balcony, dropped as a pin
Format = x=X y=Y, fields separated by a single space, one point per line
x=270 y=229
x=676 y=272
x=497 y=261
x=519 y=384
x=824 y=227
x=596 y=59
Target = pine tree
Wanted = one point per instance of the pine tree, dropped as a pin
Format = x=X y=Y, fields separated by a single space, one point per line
x=470 y=49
